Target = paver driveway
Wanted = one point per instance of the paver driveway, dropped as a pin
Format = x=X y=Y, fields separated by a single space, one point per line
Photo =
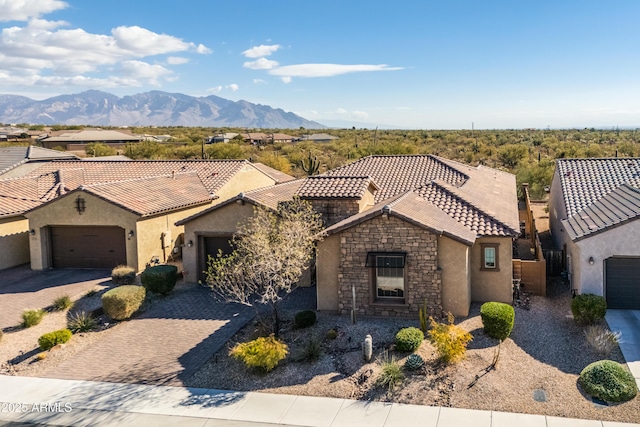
x=22 y=288
x=164 y=345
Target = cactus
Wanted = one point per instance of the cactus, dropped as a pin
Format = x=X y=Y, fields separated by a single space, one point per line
x=367 y=348
x=422 y=312
x=312 y=167
x=414 y=362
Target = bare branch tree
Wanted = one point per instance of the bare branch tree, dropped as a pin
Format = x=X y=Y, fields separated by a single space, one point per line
x=272 y=251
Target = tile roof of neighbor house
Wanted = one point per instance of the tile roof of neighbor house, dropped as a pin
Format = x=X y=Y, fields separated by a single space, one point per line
x=96 y=135
x=56 y=178
x=335 y=187
x=585 y=181
x=275 y=174
x=12 y=157
x=616 y=208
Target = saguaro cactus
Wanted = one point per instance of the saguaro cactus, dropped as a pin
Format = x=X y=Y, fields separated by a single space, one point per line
x=312 y=167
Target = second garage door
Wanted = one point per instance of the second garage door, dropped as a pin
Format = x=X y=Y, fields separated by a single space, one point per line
x=88 y=247
x=623 y=283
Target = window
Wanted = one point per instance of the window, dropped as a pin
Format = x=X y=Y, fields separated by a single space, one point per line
x=388 y=274
x=490 y=256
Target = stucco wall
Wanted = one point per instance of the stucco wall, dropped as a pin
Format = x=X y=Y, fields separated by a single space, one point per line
x=14 y=241
x=453 y=261
x=223 y=220
x=327 y=264
x=492 y=285
x=618 y=241
x=557 y=212
x=422 y=278
x=248 y=178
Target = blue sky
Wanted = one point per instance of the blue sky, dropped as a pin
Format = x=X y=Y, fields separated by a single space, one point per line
x=402 y=64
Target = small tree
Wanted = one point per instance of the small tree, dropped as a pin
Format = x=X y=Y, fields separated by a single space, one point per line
x=272 y=251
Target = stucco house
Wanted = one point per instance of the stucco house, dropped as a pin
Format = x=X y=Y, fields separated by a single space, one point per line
x=593 y=208
x=81 y=214
x=402 y=231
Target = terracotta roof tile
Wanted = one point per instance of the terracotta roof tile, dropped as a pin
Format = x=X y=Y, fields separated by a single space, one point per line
x=335 y=187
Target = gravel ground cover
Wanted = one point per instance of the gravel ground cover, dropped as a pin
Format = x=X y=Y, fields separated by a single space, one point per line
x=536 y=373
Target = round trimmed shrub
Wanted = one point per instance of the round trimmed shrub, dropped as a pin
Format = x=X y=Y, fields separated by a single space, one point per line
x=409 y=339
x=160 y=279
x=609 y=381
x=52 y=339
x=588 y=308
x=263 y=353
x=304 y=319
x=123 y=275
x=120 y=303
x=497 y=319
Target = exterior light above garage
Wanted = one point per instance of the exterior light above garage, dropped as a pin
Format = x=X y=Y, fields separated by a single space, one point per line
x=80 y=205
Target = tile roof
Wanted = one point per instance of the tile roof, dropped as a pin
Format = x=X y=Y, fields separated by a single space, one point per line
x=93 y=135
x=397 y=174
x=275 y=174
x=585 y=181
x=11 y=157
x=335 y=187
x=618 y=207
x=155 y=195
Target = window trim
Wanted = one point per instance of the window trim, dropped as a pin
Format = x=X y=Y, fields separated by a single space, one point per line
x=372 y=264
x=483 y=261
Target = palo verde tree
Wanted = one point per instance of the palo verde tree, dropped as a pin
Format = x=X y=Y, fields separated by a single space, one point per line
x=272 y=249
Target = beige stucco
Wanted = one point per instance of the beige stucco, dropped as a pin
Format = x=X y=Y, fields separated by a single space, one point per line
x=221 y=221
x=492 y=285
x=14 y=241
x=557 y=212
x=327 y=264
x=248 y=178
x=453 y=261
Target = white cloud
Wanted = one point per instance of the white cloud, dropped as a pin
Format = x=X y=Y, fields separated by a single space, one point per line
x=286 y=79
x=262 y=50
x=23 y=10
x=203 y=50
x=177 y=60
x=327 y=70
x=215 y=89
x=360 y=115
x=234 y=87
x=142 y=42
x=260 y=64
x=143 y=71
x=259 y=81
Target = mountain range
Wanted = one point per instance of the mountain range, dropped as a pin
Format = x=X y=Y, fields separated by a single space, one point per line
x=153 y=108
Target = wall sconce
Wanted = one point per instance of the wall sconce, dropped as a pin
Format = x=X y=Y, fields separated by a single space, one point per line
x=190 y=243
x=130 y=234
x=80 y=205
x=591 y=260
x=32 y=232
x=386 y=210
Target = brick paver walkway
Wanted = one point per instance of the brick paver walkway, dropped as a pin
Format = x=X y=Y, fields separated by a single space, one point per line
x=165 y=345
x=22 y=288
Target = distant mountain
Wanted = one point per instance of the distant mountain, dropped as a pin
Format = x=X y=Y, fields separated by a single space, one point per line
x=153 y=108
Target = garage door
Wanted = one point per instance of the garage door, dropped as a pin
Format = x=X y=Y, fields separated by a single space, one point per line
x=210 y=246
x=623 y=283
x=87 y=247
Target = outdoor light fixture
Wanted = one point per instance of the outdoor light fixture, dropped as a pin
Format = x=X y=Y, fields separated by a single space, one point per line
x=591 y=261
x=32 y=232
x=130 y=234
x=190 y=243
x=80 y=205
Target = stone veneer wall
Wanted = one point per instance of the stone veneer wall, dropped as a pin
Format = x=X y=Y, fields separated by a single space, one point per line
x=423 y=280
x=335 y=210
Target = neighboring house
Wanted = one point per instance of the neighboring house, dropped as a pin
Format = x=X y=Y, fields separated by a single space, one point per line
x=402 y=231
x=223 y=137
x=319 y=137
x=256 y=138
x=593 y=208
x=100 y=213
x=281 y=137
x=77 y=140
x=17 y=161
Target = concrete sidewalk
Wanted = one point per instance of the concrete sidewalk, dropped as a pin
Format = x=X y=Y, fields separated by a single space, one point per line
x=25 y=401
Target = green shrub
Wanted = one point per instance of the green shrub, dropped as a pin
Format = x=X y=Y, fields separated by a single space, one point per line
x=63 y=302
x=601 y=339
x=498 y=319
x=263 y=353
x=120 y=303
x=304 y=319
x=52 y=339
x=81 y=322
x=90 y=293
x=32 y=317
x=160 y=279
x=123 y=275
x=609 y=381
x=449 y=340
x=391 y=374
x=414 y=362
x=409 y=339
x=311 y=350
x=588 y=308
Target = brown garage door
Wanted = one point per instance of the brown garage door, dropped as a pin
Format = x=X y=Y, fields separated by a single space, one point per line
x=622 y=283
x=210 y=246
x=87 y=247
